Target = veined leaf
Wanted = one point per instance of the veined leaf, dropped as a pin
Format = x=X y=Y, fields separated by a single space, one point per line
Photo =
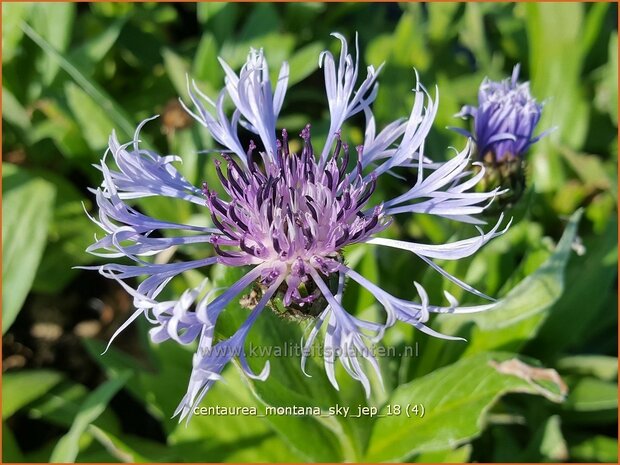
x=454 y=399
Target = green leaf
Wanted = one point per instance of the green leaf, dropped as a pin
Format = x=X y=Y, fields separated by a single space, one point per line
x=536 y=292
x=471 y=33
x=263 y=17
x=22 y=387
x=13 y=111
x=278 y=48
x=10 y=448
x=166 y=208
x=607 y=90
x=220 y=18
x=409 y=45
x=54 y=23
x=612 y=76
x=95 y=404
x=595 y=449
x=90 y=53
x=114 y=362
x=176 y=68
x=304 y=62
x=442 y=25
x=70 y=233
x=590 y=169
x=27 y=207
x=232 y=438
x=458 y=455
x=133 y=449
x=590 y=278
x=287 y=385
x=455 y=400
x=517 y=317
x=363 y=261
x=162 y=389
x=13 y=13
x=105 y=102
x=208 y=10
x=591 y=395
x=594 y=25
x=61 y=404
x=95 y=124
x=60 y=127
x=206 y=68
x=555 y=42
x=600 y=366
x=552 y=444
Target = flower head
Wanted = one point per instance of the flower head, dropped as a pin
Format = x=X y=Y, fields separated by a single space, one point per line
x=505 y=118
x=292 y=214
x=285 y=219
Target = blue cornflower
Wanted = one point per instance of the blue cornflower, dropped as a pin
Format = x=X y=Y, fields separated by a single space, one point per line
x=505 y=118
x=285 y=219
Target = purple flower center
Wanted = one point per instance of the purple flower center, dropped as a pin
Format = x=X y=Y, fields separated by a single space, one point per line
x=292 y=213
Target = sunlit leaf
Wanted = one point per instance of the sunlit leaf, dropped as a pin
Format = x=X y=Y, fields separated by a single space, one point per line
x=26 y=211
x=455 y=400
x=13 y=111
x=21 y=388
x=13 y=14
x=304 y=62
x=93 y=120
x=601 y=366
x=54 y=23
x=121 y=120
x=554 y=36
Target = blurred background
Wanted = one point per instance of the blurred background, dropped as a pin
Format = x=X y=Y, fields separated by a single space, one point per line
x=73 y=72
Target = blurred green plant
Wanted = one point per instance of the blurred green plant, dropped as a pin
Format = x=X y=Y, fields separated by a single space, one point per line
x=74 y=72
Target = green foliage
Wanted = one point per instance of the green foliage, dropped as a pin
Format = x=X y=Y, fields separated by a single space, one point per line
x=19 y=389
x=519 y=315
x=73 y=73
x=94 y=405
x=27 y=208
x=455 y=400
